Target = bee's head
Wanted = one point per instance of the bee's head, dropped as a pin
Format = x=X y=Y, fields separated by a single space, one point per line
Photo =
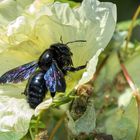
x=63 y=52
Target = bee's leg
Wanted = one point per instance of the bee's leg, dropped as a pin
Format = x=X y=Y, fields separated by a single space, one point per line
x=73 y=69
x=52 y=94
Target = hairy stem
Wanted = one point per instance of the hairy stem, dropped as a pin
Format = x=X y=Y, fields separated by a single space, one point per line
x=136 y=93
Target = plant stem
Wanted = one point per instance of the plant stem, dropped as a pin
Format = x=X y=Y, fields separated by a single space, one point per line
x=131 y=27
x=136 y=93
x=56 y=127
x=128 y=78
x=37 y=123
x=137 y=96
x=31 y=134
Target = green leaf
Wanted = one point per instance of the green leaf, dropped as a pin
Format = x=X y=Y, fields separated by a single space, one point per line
x=83 y=124
x=122 y=124
x=34 y=122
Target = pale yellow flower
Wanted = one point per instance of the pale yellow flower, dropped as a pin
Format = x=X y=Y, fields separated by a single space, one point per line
x=33 y=31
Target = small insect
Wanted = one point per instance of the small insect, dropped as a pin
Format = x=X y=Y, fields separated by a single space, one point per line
x=47 y=73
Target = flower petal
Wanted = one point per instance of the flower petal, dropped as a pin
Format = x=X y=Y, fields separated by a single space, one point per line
x=15 y=115
x=21 y=27
x=10 y=9
x=92 y=21
x=90 y=69
x=44 y=105
x=38 y=27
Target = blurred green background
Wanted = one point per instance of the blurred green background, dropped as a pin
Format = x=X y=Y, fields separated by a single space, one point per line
x=126 y=8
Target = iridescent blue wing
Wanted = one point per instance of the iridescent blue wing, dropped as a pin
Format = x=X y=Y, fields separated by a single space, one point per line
x=20 y=73
x=55 y=80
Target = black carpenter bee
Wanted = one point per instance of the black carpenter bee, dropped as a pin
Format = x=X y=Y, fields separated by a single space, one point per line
x=45 y=74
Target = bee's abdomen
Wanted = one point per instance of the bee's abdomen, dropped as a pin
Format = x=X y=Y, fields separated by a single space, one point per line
x=36 y=89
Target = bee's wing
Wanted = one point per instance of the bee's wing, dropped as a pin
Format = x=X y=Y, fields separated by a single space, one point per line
x=19 y=74
x=54 y=78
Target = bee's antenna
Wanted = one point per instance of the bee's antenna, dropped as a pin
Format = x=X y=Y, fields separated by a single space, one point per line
x=76 y=41
x=61 y=39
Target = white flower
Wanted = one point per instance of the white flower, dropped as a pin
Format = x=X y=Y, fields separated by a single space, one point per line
x=42 y=24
